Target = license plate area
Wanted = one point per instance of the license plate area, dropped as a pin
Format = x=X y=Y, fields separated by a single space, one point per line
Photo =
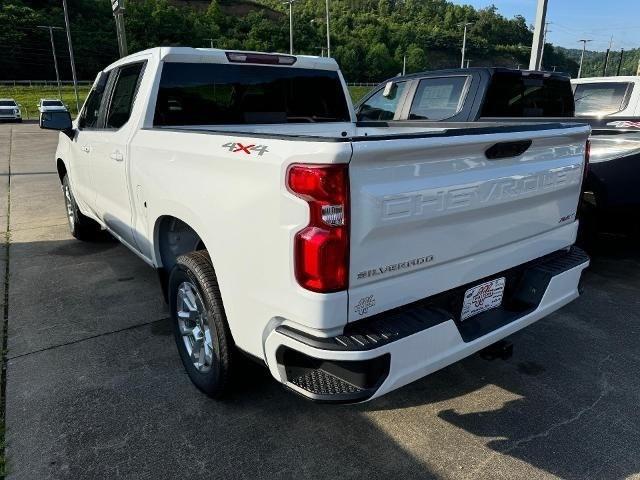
x=483 y=297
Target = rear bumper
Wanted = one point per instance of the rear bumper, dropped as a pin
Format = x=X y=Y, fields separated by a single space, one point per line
x=385 y=352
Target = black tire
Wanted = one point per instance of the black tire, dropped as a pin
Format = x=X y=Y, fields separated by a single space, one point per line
x=81 y=226
x=196 y=269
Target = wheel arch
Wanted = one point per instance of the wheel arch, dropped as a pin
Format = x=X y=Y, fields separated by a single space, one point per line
x=174 y=237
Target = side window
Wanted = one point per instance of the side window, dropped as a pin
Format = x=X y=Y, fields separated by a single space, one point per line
x=438 y=98
x=382 y=105
x=91 y=110
x=124 y=93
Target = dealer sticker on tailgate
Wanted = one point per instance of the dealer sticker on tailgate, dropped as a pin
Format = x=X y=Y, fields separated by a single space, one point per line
x=482 y=298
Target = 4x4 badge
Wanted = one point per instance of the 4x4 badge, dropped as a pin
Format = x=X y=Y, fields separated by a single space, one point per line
x=236 y=147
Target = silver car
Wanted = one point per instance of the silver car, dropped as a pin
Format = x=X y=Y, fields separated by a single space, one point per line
x=10 y=110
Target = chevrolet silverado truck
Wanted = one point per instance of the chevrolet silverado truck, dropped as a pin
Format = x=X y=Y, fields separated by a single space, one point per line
x=351 y=258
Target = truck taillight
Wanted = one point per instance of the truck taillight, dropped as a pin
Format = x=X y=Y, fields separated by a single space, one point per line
x=321 y=249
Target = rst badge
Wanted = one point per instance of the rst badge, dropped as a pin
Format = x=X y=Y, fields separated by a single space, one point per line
x=236 y=147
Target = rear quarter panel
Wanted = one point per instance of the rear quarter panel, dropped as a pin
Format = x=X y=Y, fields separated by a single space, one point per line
x=239 y=205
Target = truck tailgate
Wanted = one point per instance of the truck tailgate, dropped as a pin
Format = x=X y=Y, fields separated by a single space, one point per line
x=429 y=214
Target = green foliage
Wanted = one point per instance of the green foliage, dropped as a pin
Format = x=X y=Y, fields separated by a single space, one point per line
x=594 y=61
x=28 y=97
x=369 y=38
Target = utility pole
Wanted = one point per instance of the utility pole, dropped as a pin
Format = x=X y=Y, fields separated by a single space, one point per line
x=118 y=14
x=404 y=65
x=544 y=41
x=468 y=62
x=606 y=58
x=53 y=49
x=464 y=40
x=620 y=62
x=584 y=47
x=290 y=3
x=73 y=62
x=328 y=32
x=535 y=63
x=210 y=41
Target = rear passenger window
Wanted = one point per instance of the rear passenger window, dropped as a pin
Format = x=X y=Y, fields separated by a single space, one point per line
x=438 y=98
x=382 y=105
x=124 y=93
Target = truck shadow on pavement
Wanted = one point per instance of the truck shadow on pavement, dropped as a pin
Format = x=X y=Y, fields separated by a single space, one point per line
x=96 y=390
x=565 y=403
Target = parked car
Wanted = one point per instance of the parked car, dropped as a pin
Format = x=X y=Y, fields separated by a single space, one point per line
x=611 y=105
x=51 y=105
x=349 y=258
x=10 y=110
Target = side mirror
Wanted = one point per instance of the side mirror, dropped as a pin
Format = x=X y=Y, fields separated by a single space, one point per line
x=56 y=121
x=390 y=90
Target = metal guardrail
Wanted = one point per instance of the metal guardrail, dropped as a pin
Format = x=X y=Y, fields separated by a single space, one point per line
x=361 y=84
x=46 y=83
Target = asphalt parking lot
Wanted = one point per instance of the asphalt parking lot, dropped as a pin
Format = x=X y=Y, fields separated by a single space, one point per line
x=95 y=388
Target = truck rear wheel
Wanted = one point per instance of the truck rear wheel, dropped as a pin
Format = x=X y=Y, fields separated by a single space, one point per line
x=81 y=226
x=199 y=323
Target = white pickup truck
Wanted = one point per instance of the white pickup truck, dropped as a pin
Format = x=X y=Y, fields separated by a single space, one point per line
x=351 y=258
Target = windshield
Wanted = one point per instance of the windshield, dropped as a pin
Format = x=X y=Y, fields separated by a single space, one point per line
x=222 y=94
x=514 y=94
x=595 y=99
x=7 y=103
x=51 y=103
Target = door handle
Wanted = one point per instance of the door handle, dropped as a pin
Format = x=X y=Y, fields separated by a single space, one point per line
x=117 y=156
x=85 y=148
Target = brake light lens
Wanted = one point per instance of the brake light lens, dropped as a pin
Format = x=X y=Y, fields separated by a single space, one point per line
x=321 y=249
x=260 y=58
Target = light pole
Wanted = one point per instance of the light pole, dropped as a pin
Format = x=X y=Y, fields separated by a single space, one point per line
x=73 y=63
x=584 y=47
x=118 y=14
x=53 y=49
x=328 y=34
x=290 y=3
x=464 y=40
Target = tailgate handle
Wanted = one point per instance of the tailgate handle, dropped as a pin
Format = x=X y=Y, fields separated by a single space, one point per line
x=507 y=149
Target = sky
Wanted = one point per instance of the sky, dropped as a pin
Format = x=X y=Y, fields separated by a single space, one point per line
x=572 y=20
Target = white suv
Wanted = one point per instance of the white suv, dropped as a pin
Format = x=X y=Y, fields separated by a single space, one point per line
x=10 y=110
x=51 y=105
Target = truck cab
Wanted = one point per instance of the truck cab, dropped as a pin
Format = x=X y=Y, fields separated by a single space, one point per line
x=467 y=95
